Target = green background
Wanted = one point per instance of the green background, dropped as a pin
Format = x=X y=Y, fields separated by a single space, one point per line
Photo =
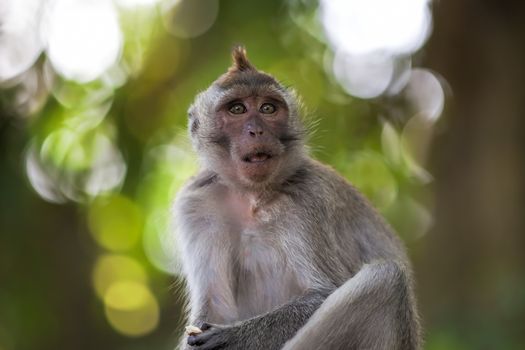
x=465 y=229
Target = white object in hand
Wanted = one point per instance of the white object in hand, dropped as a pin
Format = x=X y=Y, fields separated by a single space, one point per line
x=192 y=330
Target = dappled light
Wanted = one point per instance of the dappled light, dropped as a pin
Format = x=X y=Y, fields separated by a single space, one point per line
x=132 y=4
x=368 y=171
x=372 y=40
x=363 y=26
x=20 y=39
x=131 y=308
x=115 y=222
x=189 y=19
x=83 y=38
x=112 y=268
x=168 y=166
x=425 y=94
x=363 y=76
x=76 y=163
x=106 y=86
x=94 y=145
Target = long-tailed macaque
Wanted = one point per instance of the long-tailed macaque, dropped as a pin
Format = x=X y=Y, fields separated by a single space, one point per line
x=278 y=250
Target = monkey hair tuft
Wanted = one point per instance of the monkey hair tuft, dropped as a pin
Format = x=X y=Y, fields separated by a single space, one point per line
x=240 y=60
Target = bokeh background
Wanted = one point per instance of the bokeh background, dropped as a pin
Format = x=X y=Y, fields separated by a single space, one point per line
x=420 y=104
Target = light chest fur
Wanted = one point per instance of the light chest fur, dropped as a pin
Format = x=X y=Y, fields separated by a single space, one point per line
x=252 y=233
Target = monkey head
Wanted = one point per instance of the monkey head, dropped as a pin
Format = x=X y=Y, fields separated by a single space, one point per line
x=246 y=126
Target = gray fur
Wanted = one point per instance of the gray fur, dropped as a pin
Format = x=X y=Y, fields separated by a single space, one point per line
x=302 y=259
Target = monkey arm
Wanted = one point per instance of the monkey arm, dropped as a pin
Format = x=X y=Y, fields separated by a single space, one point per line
x=264 y=332
x=373 y=310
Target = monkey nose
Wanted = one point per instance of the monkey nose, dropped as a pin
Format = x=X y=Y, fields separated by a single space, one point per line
x=254 y=130
x=253 y=127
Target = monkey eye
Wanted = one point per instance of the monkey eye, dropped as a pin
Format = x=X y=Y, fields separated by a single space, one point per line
x=237 y=108
x=267 y=108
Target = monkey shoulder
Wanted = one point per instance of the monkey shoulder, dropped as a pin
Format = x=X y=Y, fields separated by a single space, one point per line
x=324 y=185
x=202 y=180
x=337 y=210
x=345 y=196
x=190 y=201
x=326 y=197
x=197 y=185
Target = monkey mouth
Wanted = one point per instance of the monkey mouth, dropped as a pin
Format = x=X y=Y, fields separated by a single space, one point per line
x=258 y=163
x=257 y=157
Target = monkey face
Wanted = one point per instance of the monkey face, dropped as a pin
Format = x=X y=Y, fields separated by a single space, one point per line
x=253 y=127
x=246 y=127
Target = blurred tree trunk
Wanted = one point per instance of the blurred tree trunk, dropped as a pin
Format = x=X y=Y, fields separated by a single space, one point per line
x=471 y=266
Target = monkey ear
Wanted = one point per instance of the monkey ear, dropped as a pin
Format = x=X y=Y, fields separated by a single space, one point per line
x=193 y=121
x=240 y=60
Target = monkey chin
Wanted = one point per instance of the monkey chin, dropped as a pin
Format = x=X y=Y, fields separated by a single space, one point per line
x=257 y=170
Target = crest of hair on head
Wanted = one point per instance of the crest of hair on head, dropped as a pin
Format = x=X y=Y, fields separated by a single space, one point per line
x=240 y=60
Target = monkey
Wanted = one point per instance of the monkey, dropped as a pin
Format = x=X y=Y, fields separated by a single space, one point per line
x=278 y=250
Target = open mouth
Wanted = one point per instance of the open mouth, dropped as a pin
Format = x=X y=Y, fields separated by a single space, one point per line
x=258 y=157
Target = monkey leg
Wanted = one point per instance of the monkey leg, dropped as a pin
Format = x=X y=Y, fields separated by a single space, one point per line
x=264 y=332
x=372 y=311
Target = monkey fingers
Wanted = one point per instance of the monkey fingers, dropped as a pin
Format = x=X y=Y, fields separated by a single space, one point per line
x=213 y=337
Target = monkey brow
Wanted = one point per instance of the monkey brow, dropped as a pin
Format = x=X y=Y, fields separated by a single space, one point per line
x=235 y=94
x=257 y=79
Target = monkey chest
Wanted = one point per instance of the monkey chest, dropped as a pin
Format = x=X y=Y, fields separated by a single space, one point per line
x=264 y=275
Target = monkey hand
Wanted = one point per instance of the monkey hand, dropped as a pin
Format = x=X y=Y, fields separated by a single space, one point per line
x=214 y=337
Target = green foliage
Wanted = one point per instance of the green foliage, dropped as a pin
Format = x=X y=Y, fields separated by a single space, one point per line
x=89 y=172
